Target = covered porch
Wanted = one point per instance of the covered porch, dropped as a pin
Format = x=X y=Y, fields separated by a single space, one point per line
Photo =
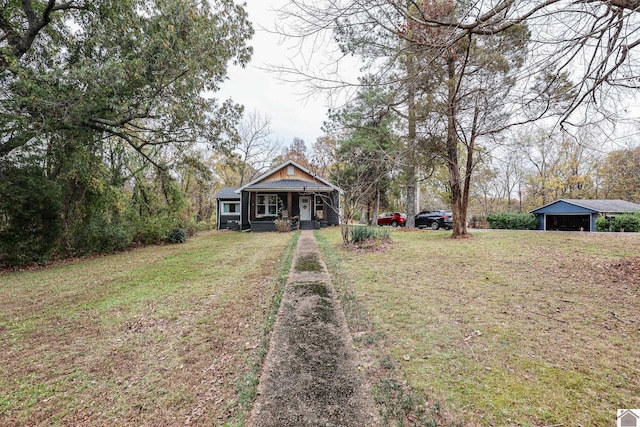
x=303 y=209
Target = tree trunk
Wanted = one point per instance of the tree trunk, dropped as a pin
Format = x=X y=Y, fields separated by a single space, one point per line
x=411 y=142
x=458 y=205
x=376 y=208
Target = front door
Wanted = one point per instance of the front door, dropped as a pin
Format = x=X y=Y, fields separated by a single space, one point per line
x=305 y=208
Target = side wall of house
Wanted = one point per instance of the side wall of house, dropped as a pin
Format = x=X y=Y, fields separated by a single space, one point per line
x=244 y=208
x=333 y=212
x=228 y=221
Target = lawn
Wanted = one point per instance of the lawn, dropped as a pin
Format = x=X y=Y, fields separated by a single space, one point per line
x=165 y=335
x=505 y=328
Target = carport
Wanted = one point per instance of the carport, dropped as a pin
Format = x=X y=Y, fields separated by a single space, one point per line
x=578 y=214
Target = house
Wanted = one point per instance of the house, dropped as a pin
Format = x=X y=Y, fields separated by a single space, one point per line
x=289 y=191
x=579 y=215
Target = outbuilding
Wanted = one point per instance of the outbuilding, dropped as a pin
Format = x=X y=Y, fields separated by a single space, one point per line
x=578 y=214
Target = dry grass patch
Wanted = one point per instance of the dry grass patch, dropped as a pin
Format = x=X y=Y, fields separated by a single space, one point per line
x=156 y=336
x=508 y=328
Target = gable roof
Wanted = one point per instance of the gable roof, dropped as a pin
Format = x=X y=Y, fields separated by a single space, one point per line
x=289 y=184
x=597 y=206
x=227 y=193
x=292 y=185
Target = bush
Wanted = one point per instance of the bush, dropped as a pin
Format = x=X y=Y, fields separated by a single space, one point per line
x=626 y=222
x=30 y=215
x=99 y=235
x=361 y=234
x=478 y=221
x=513 y=221
x=193 y=227
x=177 y=235
x=282 y=225
x=153 y=230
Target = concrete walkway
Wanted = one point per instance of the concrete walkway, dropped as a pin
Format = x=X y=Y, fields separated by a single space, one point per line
x=310 y=376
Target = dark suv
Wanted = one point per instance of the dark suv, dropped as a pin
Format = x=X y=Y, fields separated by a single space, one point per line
x=434 y=219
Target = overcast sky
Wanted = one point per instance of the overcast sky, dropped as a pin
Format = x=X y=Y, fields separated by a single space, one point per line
x=292 y=114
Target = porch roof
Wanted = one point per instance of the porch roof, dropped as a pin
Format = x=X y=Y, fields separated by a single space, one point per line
x=289 y=185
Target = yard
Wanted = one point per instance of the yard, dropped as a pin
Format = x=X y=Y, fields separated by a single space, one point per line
x=166 y=335
x=505 y=328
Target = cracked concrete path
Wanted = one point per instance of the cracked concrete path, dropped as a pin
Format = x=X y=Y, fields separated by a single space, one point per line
x=310 y=375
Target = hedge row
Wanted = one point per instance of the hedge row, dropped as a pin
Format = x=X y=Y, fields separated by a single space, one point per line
x=619 y=223
x=513 y=221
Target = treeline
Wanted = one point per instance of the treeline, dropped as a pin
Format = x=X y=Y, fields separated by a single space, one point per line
x=105 y=112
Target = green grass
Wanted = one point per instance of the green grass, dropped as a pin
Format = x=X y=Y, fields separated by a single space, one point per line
x=505 y=328
x=159 y=335
x=248 y=387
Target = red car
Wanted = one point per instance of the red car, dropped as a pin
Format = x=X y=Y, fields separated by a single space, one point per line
x=393 y=219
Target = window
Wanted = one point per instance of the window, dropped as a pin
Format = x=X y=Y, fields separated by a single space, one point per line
x=290 y=170
x=231 y=208
x=267 y=205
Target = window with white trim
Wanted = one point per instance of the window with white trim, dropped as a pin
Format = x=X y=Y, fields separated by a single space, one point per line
x=266 y=205
x=231 y=208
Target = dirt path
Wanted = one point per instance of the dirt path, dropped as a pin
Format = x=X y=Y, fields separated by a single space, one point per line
x=310 y=376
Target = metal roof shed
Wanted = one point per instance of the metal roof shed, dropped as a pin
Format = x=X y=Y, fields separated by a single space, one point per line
x=579 y=215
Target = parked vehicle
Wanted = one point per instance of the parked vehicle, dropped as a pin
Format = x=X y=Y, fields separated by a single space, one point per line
x=434 y=219
x=393 y=219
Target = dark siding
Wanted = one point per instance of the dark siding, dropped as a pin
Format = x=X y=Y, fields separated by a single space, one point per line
x=223 y=225
x=333 y=217
x=244 y=208
x=231 y=222
x=257 y=227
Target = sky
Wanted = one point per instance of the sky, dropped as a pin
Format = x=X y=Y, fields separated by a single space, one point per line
x=292 y=113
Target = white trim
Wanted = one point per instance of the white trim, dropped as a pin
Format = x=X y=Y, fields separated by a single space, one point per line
x=267 y=204
x=231 y=203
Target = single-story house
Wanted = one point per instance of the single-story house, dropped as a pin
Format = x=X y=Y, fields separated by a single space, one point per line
x=579 y=215
x=289 y=191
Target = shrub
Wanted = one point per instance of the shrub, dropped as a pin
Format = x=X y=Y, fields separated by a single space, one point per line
x=361 y=234
x=478 y=221
x=177 y=235
x=193 y=227
x=30 y=215
x=603 y=224
x=153 y=230
x=626 y=222
x=282 y=225
x=513 y=221
x=99 y=235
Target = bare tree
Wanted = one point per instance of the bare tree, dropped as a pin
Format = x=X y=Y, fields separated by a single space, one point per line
x=256 y=148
